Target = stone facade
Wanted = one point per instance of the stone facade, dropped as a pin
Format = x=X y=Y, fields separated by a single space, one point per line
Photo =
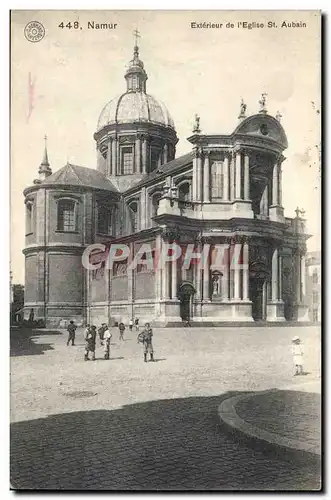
x=314 y=286
x=225 y=193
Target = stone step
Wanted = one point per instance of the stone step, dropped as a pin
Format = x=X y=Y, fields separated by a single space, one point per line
x=236 y=324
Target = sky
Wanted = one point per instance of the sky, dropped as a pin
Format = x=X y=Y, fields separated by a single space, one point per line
x=205 y=71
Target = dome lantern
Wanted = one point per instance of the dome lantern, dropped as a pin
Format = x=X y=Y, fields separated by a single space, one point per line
x=135 y=75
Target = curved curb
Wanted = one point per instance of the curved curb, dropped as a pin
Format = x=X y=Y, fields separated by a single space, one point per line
x=228 y=415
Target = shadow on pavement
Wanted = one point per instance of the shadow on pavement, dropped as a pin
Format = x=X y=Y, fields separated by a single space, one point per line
x=167 y=445
x=22 y=341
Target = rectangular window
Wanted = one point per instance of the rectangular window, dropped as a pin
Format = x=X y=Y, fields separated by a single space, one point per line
x=217 y=180
x=66 y=216
x=155 y=155
x=127 y=160
x=104 y=220
x=29 y=216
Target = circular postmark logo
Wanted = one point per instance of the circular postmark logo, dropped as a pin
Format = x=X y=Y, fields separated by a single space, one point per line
x=34 y=31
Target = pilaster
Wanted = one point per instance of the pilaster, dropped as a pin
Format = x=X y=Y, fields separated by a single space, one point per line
x=206 y=179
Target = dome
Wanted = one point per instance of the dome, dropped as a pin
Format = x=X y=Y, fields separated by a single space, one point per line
x=134 y=107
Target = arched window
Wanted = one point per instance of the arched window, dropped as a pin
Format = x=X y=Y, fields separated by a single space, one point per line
x=29 y=218
x=66 y=215
x=104 y=224
x=133 y=211
x=217 y=180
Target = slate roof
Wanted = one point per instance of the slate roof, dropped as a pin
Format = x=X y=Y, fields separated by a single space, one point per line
x=164 y=170
x=74 y=175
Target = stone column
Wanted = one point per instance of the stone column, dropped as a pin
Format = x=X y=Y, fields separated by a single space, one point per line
x=303 y=277
x=238 y=176
x=280 y=277
x=158 y=263
x=298 y=275
x=144 y=155
x=143 y=208
x=199 y=178
x=198 y=280
x=165 y=276
x=130 y=275
x=174 y=279
x=237 y=278
x=206 y=287
x=118 y=157
x=275 y=184
x=109 y=162
x=274 y=276
x=206 y=179
x=137 y=155
x=245 y=271
x=226 y=275
x=232 y=165
x=246 y=177
x=226 y=177
x=280 y=201
x=113 y=157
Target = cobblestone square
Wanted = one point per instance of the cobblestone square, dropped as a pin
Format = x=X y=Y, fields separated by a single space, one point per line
x=125 y=424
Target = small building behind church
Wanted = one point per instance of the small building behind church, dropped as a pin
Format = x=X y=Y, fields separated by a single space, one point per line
x=226 y=190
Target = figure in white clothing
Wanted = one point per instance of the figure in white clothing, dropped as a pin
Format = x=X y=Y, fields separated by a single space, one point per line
x=106 y=342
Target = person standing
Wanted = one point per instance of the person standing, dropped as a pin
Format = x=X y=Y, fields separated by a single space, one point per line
x=106 y=339
x=72 y=333
x=101 y=331
x=145 y=337
x=297 y=352
x=121 y=328
x=130 y=324
x=31 y=316
x=90 y=336
x=136 y=322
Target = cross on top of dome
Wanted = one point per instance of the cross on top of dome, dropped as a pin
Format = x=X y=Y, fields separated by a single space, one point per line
x=136 y=35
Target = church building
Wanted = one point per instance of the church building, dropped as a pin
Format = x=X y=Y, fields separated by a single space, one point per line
x=227 y=190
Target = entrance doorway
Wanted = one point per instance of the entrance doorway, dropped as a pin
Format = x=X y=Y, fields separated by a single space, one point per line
x=258 y=295
x=258 y=290
x=185 y=294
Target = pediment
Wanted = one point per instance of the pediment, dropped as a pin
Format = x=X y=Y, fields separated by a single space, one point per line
x=264 y=127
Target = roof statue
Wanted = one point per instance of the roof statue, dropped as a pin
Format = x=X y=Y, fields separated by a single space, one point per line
x=243 y=108
x=299 y=212
x=278 y=116
x=196 y=126
x=262 y=102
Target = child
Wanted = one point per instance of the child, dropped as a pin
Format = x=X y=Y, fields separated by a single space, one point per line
x=106 y=338
x=297 y=352
x=145 y=337
x=90 y=335
x=136 y=322
x=121 y=328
